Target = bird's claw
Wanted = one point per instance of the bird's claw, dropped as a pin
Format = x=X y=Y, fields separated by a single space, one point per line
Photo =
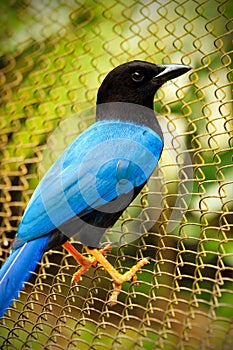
x=97 y=256
x=127 y=276
x=85 y=262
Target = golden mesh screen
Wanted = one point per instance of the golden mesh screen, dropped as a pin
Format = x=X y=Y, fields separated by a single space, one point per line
x=53 y=56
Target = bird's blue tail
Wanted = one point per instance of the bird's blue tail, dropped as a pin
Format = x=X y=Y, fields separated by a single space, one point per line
x=17 y=269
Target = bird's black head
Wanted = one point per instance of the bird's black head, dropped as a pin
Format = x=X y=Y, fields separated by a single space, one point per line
x=137 y=82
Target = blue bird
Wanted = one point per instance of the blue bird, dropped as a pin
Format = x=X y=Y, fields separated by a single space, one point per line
x=94 y=180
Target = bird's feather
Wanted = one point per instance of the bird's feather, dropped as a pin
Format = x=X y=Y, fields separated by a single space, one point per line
x=97 y=176
x=17 y=269
x=108 y=159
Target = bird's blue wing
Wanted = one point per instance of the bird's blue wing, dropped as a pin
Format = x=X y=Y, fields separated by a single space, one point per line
x=108 y=159
x=98 y=167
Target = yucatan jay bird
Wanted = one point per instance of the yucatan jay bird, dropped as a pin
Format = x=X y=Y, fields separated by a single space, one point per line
x=95 y=179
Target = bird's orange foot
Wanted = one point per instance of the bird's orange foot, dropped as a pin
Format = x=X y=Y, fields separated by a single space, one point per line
x=118 y=279
x=97 y=256
x=85 y=262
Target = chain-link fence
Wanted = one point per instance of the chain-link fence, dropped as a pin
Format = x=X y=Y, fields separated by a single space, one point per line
x=54 y=55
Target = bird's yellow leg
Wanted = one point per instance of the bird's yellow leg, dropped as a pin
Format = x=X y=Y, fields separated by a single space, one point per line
x=85 y=262
x=97 y=256
x=118 y=278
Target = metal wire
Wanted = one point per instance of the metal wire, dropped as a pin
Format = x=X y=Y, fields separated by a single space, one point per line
x=53 y=57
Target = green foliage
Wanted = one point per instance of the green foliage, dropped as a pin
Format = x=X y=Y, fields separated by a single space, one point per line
x=53 y=59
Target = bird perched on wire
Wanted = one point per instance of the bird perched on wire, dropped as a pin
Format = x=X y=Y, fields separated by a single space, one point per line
x=94 y=180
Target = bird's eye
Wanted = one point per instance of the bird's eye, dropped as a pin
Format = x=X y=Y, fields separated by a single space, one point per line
x=138 y=76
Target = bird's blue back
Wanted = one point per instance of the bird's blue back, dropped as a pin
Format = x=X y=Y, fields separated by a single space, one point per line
x=108 y=159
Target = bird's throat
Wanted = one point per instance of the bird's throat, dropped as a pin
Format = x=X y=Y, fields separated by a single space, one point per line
x=128 y=112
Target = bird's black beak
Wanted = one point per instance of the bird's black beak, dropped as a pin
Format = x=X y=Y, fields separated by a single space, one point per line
x=170 y=71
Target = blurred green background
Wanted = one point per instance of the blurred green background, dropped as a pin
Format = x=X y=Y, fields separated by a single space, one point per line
x=53 y=56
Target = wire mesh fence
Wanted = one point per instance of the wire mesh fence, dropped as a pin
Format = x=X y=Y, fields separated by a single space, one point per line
x=54 y=56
